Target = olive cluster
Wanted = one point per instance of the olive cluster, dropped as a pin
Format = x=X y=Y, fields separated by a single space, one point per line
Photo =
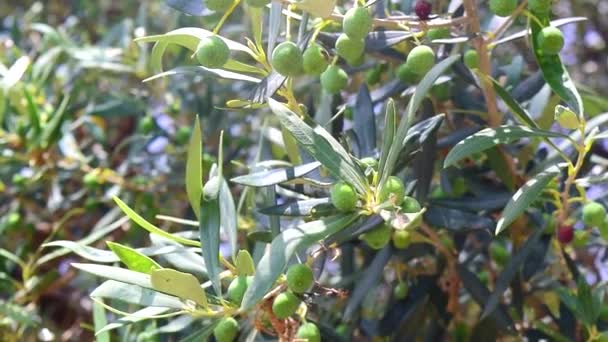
x=593 y=214
x=299 y=279
x=288 y=60
x=345 y=198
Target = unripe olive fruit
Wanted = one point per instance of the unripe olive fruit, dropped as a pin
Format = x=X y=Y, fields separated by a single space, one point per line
x=313 y=60
x=393 y=189
x=13 y=219
x=401 y=289
x=402 y=238
x=258 y=3
x=471 y=59
x=369 y=162
x=309 y=331
x=334 y=79
x=18 y=179
x=287 y=59
x=373 y=75
x=581 y=238
x=603 y=228
x=182 y=135
x=146 y=124
x=342 y=330
x=438 y=33
x=421 y=59
x=218 y=5
x=593 y=214
x=226 y=330
x=237 y=288
x=503 y=8
x=349 y=48
x=378 y=237
x=566 y=117
x=91 y=180
x=499 y=254
x=357 y=23
x=406 y=74
x=212 y=52
x=343 y=196
x=441 y=91
x=539 y=6
x=410 y=205
x=299 y=278
x=484 y=277
x=285 y=305
x=550 y=40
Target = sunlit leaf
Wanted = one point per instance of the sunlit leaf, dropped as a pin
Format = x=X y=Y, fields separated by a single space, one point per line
x=194 y=169
x=525 y=195
x=179 y=284
x=133 y=259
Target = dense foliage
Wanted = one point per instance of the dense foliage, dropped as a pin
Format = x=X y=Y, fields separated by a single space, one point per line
x=312 y=170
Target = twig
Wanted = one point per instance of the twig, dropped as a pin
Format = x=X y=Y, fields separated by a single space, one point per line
x=481 y=45
x=397 y=22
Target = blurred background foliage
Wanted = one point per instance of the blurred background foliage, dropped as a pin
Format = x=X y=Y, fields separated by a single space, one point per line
x=80 y=126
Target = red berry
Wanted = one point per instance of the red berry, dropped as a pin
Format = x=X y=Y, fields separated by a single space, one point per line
x=423 y=9
x=565 y=234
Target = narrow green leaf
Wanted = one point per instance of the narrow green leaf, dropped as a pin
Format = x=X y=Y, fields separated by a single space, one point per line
x=299 y=208
x=513 y=105
x=8 y=255
x=228 y=216
x=194 y=169
x=150 y=227
x=553 y=70
x=275 y=176
x=389 y=132
x=244 y=263
x=32 y=110
x=419 y=95
x=283 y=248
x=44 y=64
x=523 y=197
x=179 y=284
x=174 y=326
x=137 y=316
x=523 y=33
x=364 y=122
x=197 y=69
x=490 y=137
x=133 y=259
x=368 y=281
x=51 y=130
x=509 y=271
x=156 y=56
x=100 y=321
x=103 y=227
x=322 y=146
x=209 y=231
x=18 y=314
x=189 y=37
x=137 y=295
x=102 y=256
x=116 y=273
x=201 y=334
x=498 y=163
